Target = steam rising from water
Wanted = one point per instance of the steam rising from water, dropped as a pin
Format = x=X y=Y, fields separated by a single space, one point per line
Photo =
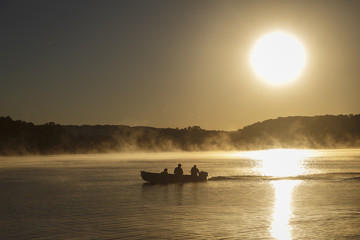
x=104 y=195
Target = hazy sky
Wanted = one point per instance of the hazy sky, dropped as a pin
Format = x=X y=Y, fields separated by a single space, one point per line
x=172 y=63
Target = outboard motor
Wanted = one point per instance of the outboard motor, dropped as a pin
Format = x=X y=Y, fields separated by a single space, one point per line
x=203 y=174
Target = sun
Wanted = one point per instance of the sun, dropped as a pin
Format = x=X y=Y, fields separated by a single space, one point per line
x=278 y=58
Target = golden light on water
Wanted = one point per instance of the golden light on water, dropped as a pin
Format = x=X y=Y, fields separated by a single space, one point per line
x=280 y=162
x=280 y=228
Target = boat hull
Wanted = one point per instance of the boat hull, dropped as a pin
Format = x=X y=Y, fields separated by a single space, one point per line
x=172 y=178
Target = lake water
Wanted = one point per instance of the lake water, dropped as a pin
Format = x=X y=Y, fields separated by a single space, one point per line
x=273 y=194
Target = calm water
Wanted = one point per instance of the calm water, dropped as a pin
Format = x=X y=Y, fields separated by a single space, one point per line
x=274 y=194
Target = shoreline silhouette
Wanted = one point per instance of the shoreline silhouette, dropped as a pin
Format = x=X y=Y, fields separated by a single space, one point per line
x=327 y=131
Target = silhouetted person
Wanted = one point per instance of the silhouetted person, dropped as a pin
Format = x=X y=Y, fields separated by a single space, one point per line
x=194 y=171
x=165 y=171
x=178 y=171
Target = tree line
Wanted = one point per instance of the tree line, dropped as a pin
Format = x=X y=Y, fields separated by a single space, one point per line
x=19 y=137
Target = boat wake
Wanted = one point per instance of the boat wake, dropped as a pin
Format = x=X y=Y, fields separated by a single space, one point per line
x=340 y=176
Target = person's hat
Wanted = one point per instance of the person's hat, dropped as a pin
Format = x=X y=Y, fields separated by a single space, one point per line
x=179 y=165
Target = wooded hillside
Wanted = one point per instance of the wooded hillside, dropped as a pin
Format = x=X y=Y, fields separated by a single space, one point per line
x=19 y=137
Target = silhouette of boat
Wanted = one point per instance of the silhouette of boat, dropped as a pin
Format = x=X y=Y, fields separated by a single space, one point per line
x=172 y=178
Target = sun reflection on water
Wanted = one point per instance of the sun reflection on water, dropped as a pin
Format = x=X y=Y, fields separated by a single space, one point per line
x=280 y=228
x=279 y=162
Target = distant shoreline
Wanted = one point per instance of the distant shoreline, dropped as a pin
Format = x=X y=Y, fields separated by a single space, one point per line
x=317 y=132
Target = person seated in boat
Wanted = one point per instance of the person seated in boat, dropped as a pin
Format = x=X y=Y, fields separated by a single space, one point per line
x=165 y=172
x=194 y=171
x=178 y=171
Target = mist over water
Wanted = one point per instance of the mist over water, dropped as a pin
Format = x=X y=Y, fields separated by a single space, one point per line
x=273 y=194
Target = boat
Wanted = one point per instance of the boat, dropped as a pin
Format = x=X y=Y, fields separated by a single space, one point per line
x=172 y=178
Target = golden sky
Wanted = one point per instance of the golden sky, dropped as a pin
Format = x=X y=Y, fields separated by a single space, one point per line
x=172 y=63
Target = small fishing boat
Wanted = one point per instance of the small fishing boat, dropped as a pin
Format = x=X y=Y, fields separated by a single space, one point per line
x=172 y=178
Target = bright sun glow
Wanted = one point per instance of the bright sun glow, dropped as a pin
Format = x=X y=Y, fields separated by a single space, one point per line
x=278 y=58
x=280 y=162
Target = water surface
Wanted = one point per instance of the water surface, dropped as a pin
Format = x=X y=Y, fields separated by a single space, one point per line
x=274 y=194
